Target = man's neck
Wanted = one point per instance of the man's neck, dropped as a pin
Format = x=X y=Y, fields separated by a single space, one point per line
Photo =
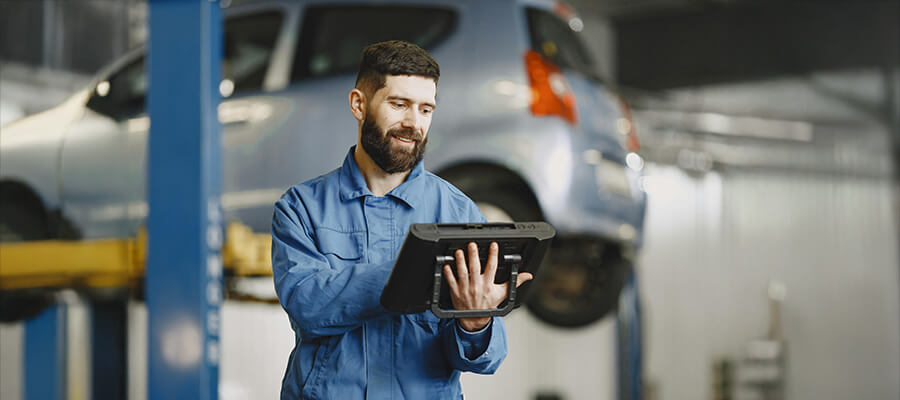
x=378 y=181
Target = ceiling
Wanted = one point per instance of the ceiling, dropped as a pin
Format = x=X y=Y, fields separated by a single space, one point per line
x=681 y=46
x=636 y=9
x=664 y=44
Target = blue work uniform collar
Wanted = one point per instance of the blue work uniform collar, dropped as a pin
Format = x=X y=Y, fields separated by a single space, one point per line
x=353 y=184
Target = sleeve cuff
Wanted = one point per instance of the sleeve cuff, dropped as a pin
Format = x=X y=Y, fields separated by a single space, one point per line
x=474 y=344
x=478 y=332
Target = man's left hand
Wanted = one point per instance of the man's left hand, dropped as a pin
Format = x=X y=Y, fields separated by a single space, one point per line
x=471 y=289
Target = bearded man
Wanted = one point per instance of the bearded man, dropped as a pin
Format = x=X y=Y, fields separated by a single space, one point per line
x=335 y=239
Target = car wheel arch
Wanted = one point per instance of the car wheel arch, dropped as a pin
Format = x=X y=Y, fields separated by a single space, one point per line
x=24 y=199
x=468 y=172
x=19 y=192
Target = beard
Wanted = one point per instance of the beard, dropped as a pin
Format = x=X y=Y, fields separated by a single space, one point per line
x=380 y=148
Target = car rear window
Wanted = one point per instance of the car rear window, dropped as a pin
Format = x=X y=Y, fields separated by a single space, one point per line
x=554 y=39
x=332 y=38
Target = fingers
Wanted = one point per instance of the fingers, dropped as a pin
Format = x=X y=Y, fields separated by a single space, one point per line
x=491 y=271
x=451 y=280
x=461 y=271
x=474 y=262
x=472 y=289
x=523 y=277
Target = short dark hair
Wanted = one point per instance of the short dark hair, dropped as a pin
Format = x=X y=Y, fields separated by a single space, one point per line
x=394 y=57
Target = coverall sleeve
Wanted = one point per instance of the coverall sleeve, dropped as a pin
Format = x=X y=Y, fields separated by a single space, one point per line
x=320 y=299
x=479 y=352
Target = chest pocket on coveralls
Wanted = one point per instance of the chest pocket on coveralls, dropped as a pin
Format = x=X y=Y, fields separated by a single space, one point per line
x=346 y=246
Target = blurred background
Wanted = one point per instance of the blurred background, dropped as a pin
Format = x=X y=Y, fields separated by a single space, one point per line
x=722 y=175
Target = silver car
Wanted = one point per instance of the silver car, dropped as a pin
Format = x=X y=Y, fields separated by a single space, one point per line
x=523 y=127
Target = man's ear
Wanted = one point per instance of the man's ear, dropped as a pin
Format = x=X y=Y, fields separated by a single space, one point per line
x=358 y=104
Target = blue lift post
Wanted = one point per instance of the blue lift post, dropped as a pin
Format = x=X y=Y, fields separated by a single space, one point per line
x=109 y=344
x=629 y=340
x=185 y=232
x=45 y=355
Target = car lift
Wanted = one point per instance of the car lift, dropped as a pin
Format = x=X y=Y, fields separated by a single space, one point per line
x=181 y=266
x=116 y=263
x=100 y=265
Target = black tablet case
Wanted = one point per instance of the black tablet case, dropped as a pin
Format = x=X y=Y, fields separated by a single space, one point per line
x=411 y=285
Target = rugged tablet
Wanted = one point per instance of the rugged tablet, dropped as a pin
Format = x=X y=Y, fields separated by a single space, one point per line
x=417 y=282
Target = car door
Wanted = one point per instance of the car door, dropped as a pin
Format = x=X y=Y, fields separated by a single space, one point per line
x=103 y=162
x=93 y=166
x=257 y=111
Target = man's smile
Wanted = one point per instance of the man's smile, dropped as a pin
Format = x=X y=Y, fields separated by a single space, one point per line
x=408 y=141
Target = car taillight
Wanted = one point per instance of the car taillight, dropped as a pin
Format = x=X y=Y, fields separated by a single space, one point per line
x=563 y=10
x=550 y=91
x=625 y=126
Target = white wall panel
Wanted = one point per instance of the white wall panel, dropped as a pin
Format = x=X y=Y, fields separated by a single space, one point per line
x=577 y=364
x=713 y=244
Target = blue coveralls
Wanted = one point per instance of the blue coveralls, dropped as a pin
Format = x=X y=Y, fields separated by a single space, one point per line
x=333 y=247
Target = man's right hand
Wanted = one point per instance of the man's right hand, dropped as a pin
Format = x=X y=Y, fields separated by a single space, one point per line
x=471 y=289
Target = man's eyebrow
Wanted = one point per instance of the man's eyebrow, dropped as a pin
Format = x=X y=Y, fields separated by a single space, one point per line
x=408 y=100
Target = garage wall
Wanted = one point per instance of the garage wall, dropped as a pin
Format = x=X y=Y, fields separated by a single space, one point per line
x=11 y=374
x=52 y=34
x=715 y=241
x=573 y=364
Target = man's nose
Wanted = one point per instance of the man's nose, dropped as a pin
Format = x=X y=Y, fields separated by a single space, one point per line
x=412 y=119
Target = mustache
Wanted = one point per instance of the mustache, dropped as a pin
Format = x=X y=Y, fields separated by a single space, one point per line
x=405 y=133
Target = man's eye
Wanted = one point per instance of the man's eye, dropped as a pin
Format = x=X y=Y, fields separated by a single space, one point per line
x=398 y=105
x=427 y=111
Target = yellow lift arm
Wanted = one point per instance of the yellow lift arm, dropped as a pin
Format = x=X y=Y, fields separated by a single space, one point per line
x=115 y=262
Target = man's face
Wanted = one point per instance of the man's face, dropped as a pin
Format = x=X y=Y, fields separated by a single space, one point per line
x=394 y=132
